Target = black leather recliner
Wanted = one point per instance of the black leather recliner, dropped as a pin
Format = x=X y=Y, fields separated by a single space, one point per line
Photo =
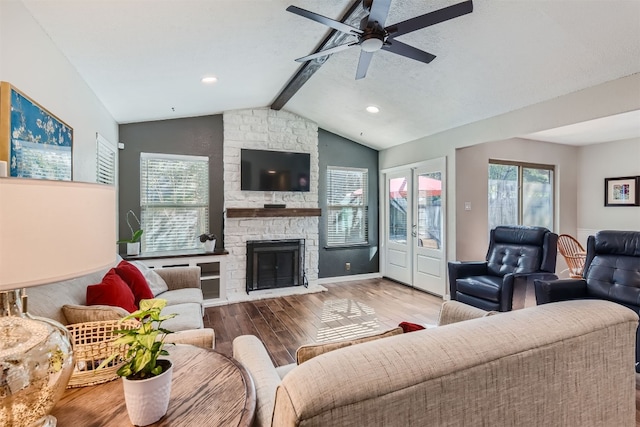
x=515 y=253
x=611 y=272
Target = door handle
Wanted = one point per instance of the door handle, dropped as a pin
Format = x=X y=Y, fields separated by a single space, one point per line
x=414 y=233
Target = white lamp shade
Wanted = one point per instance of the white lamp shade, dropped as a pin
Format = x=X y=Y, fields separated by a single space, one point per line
x=54 y=230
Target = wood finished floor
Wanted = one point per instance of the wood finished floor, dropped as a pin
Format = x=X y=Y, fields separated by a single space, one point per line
x=346 y=310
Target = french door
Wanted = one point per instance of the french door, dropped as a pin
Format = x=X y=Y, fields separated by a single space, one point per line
x=414 y=225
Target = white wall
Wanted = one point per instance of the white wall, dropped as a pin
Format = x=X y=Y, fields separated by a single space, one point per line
x=609 y=98
x=33 y=64
x=597 y=162
x=472 y=186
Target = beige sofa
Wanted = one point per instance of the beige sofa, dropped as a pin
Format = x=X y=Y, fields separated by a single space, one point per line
x=184 y=298
x=562 y=364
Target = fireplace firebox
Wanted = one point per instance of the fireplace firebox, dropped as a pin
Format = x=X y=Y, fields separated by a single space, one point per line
x=275 y=264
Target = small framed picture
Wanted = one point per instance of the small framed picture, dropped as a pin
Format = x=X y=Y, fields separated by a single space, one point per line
x=622 y=191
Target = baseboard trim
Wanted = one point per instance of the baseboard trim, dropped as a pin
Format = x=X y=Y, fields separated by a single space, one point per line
x=351 y=278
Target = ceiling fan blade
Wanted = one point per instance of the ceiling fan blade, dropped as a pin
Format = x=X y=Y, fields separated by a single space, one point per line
x=363 y=64
x=326 y=52
x=430 y=18
x=379 y=11
x=408 y=51
x=336 y=25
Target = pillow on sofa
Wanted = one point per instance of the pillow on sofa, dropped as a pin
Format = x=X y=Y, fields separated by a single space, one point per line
x=111 y=291
x=156 y=283
x=135 y=280
x=93 y=313
x=310 y=351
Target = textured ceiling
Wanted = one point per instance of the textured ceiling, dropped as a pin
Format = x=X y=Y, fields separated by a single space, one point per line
x=144 y=59
x=605 y=129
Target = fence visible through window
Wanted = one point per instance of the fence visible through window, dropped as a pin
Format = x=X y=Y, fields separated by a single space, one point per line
x=520 y=194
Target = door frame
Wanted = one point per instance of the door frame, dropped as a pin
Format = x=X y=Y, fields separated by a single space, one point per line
x=383 y=213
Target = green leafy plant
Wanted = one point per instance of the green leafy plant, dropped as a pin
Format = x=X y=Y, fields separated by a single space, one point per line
x=135 y=235
x=145 y=343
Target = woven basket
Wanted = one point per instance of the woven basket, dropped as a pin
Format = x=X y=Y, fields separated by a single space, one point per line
x=93 y=343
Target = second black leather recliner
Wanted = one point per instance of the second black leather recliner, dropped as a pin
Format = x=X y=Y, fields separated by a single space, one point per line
x=611 y=272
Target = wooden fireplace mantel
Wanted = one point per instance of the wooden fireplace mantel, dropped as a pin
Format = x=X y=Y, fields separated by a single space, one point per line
x=271 y=212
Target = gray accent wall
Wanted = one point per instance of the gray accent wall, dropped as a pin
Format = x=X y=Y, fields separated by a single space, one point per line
x=197 y=136
x=334 y=150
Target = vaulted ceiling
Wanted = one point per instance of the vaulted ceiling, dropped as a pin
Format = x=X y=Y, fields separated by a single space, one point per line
x=144 y=59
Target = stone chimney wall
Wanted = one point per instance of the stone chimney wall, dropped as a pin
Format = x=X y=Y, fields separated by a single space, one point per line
x=266 y=129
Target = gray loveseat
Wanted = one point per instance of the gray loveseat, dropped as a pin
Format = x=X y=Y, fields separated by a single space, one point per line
x=66 y=302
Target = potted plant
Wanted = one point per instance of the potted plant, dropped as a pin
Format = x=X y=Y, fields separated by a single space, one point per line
x=146 y=379
x=209 y=240
x=133 y=244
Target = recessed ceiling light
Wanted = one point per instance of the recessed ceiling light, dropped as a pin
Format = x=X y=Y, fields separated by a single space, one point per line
x=209 y=79
x=373 y=109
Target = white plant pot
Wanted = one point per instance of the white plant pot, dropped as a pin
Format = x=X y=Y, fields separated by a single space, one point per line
x=210 y=245
x=133 y=248
x=147 y=400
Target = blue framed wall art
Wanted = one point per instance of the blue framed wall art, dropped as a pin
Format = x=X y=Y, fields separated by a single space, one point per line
x=34 y=142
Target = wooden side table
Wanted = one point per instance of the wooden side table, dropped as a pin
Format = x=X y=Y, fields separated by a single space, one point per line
x=207 y=389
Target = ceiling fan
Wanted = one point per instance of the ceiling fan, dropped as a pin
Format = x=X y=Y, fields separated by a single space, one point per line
x=373 y=35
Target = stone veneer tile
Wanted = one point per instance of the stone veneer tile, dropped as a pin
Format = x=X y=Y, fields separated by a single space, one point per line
x=266 y=129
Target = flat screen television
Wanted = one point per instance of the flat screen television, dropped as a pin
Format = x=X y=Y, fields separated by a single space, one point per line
x=263 y=170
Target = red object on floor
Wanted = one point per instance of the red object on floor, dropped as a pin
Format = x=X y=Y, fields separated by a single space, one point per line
x=410 y=327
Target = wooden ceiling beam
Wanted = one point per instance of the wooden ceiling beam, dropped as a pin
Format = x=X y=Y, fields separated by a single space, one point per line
x=352 y=17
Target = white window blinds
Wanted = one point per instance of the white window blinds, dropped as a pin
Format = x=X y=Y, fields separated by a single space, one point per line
x=174 y=201
x=105 y=162
x=347 y=199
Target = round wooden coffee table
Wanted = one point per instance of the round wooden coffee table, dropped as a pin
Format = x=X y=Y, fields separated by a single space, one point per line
x=207 y=389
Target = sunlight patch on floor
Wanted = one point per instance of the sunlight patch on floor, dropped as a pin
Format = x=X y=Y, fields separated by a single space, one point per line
x=346 y=319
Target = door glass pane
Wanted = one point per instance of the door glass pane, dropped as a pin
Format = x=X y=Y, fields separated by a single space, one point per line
x=537 y=197
x=503 y=195
x=429 y=213
x=398 y=210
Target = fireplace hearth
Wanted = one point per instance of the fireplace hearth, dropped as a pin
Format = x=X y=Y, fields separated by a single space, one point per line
x=275 y=264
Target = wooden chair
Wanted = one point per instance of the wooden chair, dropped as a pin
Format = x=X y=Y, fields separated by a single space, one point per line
x=573 y=253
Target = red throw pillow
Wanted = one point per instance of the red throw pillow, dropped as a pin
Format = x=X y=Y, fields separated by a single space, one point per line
x=111 y=291
x=410 y=327
x=135 y=280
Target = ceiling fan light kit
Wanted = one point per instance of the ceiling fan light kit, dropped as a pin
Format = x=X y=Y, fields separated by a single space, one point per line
x=371 y=45
x=373 y=36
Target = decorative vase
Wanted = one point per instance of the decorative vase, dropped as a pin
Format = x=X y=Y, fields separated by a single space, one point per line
x=36 y=362
x=148 y=400
x=210 y=245
x=133 y=248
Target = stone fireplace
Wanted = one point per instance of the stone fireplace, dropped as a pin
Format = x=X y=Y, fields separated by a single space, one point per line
x=266 y=129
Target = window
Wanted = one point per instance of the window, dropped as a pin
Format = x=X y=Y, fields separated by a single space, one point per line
x=105 y=162
x=347 y=222
x=520 y=194
x=174 y=201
